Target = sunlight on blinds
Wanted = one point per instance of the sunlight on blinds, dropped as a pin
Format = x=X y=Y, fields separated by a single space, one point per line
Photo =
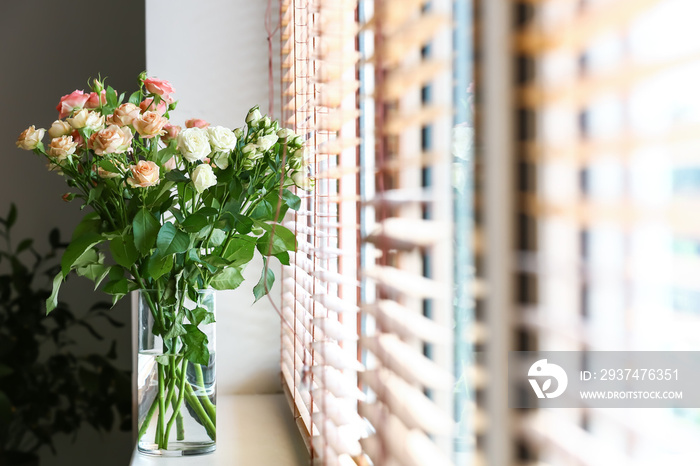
x=319 y=297
x=609 y=243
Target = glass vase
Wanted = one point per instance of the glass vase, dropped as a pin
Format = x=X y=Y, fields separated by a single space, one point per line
x=176 y=373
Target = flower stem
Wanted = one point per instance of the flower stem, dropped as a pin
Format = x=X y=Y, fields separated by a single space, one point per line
x=176 y=409
x=147 y=420
x=206 y=402
x=161 y=407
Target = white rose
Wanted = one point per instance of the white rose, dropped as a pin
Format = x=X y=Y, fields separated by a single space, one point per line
x=265 y=142
x=203 y=177
x=60 y=128
x=222 y=139
x=30 y=138
x=193 y=143
x=253 y=116
x=285 y=133
x=251 y=151
x=221 y=160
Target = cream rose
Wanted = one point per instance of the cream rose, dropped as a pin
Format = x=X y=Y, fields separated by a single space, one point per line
x=150 y=124
x=111 y=140
x=144 y=174
x=87 y=119
x=60 y=128
x=124 y=115
x=30 y=138
x=203 y=177
x=61 y=148
x=221 y=139
x=193 y=143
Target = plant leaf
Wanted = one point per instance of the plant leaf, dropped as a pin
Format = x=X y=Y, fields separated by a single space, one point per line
x=146 y=228
x=199 y=315
x=159 y=265
x=228 y=279
x=77 y=248
x=89 y=224
x=195 y=223
x=171 y=240
x=239 y=251
x=267 y=279
x=281 y=241
x=291 y=199
x=123 y=251
x=52 y=301
x=196 y=341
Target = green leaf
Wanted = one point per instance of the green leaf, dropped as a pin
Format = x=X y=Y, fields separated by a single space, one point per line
x=159 y=265
x=176 y=329
x=171 y=240
x=112 y=98
x=195 y=223
x=243 y=224
x=196 y=342
x=177 y=176
x=109 y=166
x=239 y=251
x=89 y=224
x=283 y=257
x=52 y=301
x=217 y=237
x=89 y=257
x=208 y=211
x=277 y=241
x=123 y=251
x=77 y=248
x=267 y=279
x=291 y=199
x=164 y=359
x=228 y=279
x=166 y=154
x=199 y=315
x=263 y=211
x=135 y=98
x=146 y=228
x=11 y=216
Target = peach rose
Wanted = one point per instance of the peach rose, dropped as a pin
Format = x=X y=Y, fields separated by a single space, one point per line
x=124 y=115
x=61 y=148
x=149 y=124
x=60 y=128
x=144 y=174
x=87 y=119
x=171 y=132
x=148 y=106
x=69 y=102
x=160 y=87
x=93 y=101
x=196 y=123
x=111 y=140
x=30 y=138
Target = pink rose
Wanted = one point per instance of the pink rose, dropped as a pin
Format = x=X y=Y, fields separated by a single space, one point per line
x=160 y=87
x=149 y=124
x=69 y=102
x=171 y=164
x=94 y=102
x=144 y=174
x=196 y=123
x=147 y=106
x=171 y=132
x=124 y=115
x=79 y=141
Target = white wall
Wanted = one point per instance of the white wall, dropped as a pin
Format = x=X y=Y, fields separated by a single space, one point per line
x=215 y=54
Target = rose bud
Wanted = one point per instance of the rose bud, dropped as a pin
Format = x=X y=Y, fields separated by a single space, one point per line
x=196 y=123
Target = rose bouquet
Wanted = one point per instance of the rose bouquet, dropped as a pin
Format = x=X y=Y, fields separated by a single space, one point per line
x=180 y=212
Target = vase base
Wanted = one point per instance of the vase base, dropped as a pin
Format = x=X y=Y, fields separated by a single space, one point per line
x=177 y=449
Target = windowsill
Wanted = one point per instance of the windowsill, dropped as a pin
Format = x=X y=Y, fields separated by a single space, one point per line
x=252 y=429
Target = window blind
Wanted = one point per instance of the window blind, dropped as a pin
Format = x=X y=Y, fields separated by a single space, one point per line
x=319 y=294
x=407 y=270
x=607 y=113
